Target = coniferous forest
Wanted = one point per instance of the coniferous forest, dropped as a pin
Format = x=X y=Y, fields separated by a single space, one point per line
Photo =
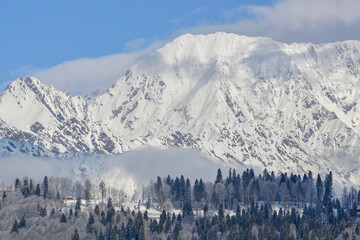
x=233 y=206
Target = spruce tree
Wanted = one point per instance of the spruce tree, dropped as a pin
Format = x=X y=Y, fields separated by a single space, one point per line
x=25 y=190
x=109 y=203
x=221 y=211
x=162 y=221
x=22 y=222
x=188 y=190
x=160 y=192
x=52 y=212
x=45 y=185
x=78 y=204
x=97 y=210
x=112 y=233
x=15 y=227
x=4 y=195
x=100 y=236
x=63 y=218
x=167 y=224
x=76 y=235
x=219 y=178
x=182 y=188
x=102 y=189
x=146 y=218
x=38 y=191
x=328 y=190
x=196 y=191
x=319 y=188
x=122 y=232
x=43 y=212
x=17 y=184
x=176 y=231
x=110 y=214
x=91 y=221
x=31 y=185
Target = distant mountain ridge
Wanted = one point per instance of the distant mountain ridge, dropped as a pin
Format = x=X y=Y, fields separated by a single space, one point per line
x=241 y=100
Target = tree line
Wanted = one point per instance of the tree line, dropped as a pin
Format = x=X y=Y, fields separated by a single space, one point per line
x=238 y=206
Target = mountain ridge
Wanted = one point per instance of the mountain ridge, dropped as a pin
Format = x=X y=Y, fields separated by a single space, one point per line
x=237 y=99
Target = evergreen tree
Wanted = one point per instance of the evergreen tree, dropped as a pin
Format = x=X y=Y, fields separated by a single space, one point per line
x=38 y=191
x=22 y=222
x=17 y=184
x=187 y=209
x=122 y=232
x=109 y=203
x=328 y=190
x=31 y=185
x=63 y=218
x=102 y=189
x=221 y=211
x=100 y=236
x=97 y=210
x=87 y=191
x=177 y=230
x=319 y=188
x=76 y=235
x=102 y=218
x=52 y=212
x=58 y=195
x=15 y=227
x=78 y=204
x=353 y=211
x=206 y=209
x=159 y=192
x=110 y=214
x=146 y=218
x=228 y=178
x=112 y=235
x=182 y=190
x=25 y=190
x=162 y=221
x=43 y=212
x=4 y=195
x=167 y=224
x=91 y=221
x=219 y=178
x=45 y=185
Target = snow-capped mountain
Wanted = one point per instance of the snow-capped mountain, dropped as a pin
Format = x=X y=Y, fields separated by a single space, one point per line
x=241 y=100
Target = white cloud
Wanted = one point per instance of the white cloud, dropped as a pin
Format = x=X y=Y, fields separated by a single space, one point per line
x=289 y=21
x=128 y=171
x=295 y=21
x=85 y=75
x=134 y=45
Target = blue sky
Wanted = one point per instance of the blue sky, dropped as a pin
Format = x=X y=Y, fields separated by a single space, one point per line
x=38 y=37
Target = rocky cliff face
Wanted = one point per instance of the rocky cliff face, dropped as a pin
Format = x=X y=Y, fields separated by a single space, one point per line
x=237 y=99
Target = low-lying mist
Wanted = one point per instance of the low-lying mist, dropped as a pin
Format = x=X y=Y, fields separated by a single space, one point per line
x=127 y=171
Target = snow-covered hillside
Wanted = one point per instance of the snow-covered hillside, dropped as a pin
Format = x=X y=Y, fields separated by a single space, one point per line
x=240 y=100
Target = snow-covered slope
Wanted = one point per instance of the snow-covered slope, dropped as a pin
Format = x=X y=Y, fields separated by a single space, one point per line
x=237 y=99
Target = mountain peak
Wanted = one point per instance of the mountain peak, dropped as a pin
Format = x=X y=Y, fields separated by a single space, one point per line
x=28 y=81
x=243 y=100
x=205 y=48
